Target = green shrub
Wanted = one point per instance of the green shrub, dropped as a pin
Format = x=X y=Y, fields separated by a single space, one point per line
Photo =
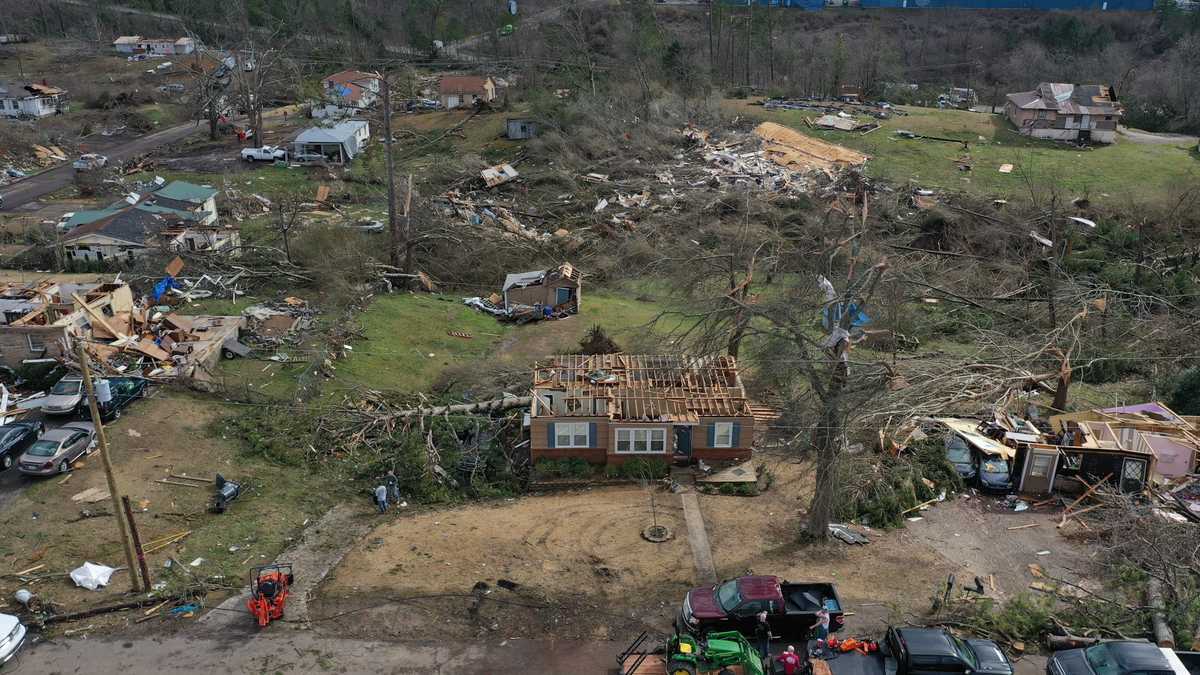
x=1185 y=392
x=641 y=467
x=572 y=468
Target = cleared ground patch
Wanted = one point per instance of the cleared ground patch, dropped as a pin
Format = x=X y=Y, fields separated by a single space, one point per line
x=1124 y=171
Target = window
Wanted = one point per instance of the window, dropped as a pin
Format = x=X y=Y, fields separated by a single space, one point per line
x=723 y=435
x=1041 y=466
x=1041 y=114
x=642 y=441
x=36 y=346
x=728 y=596
x=571 y=435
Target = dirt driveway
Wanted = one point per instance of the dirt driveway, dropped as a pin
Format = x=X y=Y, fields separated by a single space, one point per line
x=583 y=571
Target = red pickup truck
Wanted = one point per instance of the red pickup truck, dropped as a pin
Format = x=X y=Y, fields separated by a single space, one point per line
x=734 y=605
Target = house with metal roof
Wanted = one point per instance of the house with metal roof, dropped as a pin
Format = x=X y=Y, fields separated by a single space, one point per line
x=608 y=408
x=1082 y=113
x=338 y=144
x=177 y=216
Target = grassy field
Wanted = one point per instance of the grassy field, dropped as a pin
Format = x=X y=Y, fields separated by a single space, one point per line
x=1124 y=171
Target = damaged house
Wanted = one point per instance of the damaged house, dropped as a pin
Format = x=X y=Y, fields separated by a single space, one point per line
x=346 y=93
x=31 y=99
x=464 y=91
x=1130 y=446
x=121 y=336
x=177 y=216
x=608 y=408
x=557 y=288
x=1079 y=113
x=337 y=144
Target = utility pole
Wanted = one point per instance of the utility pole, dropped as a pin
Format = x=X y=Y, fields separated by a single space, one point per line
x=385 y=88
x=408 y=242
x=102 y=443
x=137 y=544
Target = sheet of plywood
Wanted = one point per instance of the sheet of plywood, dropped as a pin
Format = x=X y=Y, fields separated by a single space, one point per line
x=741 y=473
x=175 y=267
x=790 y=148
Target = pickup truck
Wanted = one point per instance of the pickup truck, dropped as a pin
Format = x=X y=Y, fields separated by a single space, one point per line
x=1123 y=657
x=934 y=651
x=734 y=605
x=267 y=153
x=89 y=162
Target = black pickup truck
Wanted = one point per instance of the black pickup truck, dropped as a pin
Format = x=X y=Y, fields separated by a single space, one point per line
x=734 y=605
x=1123 y=657
x=934 y=651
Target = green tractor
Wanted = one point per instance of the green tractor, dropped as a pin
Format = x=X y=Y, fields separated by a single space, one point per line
x=689 y=655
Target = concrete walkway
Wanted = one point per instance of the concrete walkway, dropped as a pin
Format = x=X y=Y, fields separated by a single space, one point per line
x=698 y=538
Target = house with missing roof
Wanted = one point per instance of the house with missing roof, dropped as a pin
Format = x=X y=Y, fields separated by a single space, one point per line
x=337 y=144
x=464 y=91
x=346 y=94
x=608 y=408
x=136 y=44
x=177 y=216
x=31 y=99
x=1082 y=113
x=558 y=288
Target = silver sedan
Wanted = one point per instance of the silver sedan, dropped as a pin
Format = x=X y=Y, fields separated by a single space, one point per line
x=57 y=449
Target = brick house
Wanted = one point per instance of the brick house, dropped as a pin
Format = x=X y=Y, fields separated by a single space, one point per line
x=607 y=408
x=1066 y=112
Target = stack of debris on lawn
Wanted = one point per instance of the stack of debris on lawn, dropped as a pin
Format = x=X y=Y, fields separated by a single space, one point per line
x=44 y=320
x=272 y=325
x=532 y=296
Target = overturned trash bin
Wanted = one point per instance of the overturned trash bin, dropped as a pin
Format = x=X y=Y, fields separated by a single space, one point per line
x=226 y=492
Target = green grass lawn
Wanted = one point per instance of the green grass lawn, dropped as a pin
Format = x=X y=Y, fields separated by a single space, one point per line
x=1125 y=171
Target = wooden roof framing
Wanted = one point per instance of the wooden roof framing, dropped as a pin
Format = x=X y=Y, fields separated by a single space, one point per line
x=648 y=387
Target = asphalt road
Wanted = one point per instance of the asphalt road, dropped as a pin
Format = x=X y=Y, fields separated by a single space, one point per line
x=32 y=188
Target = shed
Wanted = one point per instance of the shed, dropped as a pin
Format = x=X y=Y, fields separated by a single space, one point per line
x=339 y=143
x=558 y=287
x=520 y=128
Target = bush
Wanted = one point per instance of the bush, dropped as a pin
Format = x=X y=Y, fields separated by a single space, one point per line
x=880 y=493
x=641 y=467
x=573 y=468
x=1185 y=392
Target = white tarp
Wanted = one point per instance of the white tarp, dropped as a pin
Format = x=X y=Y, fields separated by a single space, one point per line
x=91 y=576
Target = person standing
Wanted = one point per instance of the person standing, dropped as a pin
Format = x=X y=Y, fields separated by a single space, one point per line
x=790 y=660
x=393 y=486
x=821 y=628
x=762 y=634
x=381 y=498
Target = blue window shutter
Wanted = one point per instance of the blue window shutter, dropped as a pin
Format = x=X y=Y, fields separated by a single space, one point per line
x=712 y=435
x=550 y=435
x=591 y=434
x=737 y=432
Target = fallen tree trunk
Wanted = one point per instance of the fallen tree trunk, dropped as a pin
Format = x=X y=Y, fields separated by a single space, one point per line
x=1057 y=642
x=1158 y=615
x=133 y=604
x=479 y=407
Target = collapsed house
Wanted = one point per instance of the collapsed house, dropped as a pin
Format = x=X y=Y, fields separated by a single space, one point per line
x=177 y=216
x=44 y=320
x=31 y=99
x=608 y=408
x=530 y=296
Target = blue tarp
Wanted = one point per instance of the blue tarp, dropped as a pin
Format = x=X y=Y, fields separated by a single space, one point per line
x=165 y=284
x=832 y=315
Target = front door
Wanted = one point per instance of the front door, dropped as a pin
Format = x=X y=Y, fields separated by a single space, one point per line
x=1040 y=467
x=683 y=441
x=1133 y=475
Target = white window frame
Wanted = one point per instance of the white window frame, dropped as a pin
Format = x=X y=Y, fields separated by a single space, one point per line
x=647 y=436
x=572 y=431
x=723 y=429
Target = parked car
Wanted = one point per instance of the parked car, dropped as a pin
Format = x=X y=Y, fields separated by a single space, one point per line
x=994 y=474
x=64 y=397
x=267 y=153
x=15 y=439
x=124 y=390
x=1118 y=657
x=309 y=158
x=90 y=161
x=959 y=454
x=12 y=637
x=57 y=449
x=734 y=605
x=929 y=651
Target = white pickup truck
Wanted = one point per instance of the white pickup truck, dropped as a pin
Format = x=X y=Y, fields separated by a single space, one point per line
x=12 y=637
x=267 y=153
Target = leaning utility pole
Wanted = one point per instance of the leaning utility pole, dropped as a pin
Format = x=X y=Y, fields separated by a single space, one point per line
x=408 y=241
x=395 y=255
x=113 y=491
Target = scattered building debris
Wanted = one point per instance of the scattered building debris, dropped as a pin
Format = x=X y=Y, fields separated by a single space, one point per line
x=790 y=148
x=497 y=175
x=532 y=296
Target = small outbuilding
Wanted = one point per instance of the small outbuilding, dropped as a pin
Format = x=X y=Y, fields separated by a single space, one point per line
x=520 y=128
x=558 y=288
x=338 y=144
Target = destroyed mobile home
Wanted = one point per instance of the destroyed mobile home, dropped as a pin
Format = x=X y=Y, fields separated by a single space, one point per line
x=1133 y=449
x=532 y=296
x=608 y=408
x=47 y=320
